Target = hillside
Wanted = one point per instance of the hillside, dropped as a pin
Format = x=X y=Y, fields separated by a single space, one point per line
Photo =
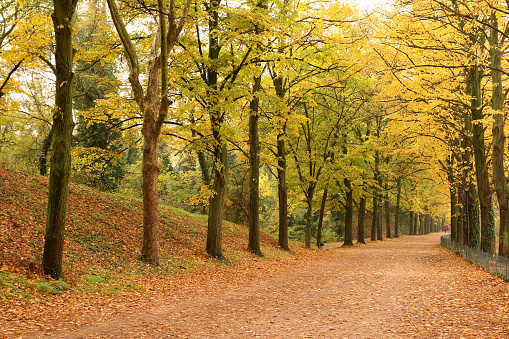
x=101 y=254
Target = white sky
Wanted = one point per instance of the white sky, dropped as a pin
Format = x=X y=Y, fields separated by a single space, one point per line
x=369 y=4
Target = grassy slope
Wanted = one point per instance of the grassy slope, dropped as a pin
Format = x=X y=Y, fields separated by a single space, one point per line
x=102 y=247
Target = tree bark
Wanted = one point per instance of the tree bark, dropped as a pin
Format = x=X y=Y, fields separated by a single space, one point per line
x=375 y=220
x=497 y=100
x=216 y=203
x=254 y=168
x=481 y=161
x=60 y=162
x=309 y=198
x=411 y=228
x=396 y=216
x=282 y=192
x=320 y=219
x=388 y=233
x=360 y=221
x=348 y=213
x=150 y=172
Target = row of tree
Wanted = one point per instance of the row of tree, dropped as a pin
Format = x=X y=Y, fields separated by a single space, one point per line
x=279 y=110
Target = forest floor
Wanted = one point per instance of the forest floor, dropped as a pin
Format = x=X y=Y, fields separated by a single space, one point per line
x=398 y=288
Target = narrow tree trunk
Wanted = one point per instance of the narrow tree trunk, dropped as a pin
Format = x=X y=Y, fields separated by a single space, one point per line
x=60 y=162
x=360 y=221
x=497 y=100
x=348 y=213
x=388 y=233
x=309 y=216
x=282 y=193
x=396 y=216
x=254 y=168
x=411 y=230
x=375 y=220
x=454 y=211
x=320 y=219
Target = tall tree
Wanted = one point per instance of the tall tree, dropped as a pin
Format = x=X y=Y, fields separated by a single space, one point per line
x=60 y=163
x=153 y=103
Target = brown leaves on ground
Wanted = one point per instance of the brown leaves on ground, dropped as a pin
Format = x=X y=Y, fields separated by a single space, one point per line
x=102 y=270
x=398 y=288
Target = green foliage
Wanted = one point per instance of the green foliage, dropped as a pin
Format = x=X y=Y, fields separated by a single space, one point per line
x=329 y=236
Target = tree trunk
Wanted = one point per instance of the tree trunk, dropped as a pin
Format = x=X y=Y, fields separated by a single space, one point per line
x=375 y=220
x=254 y=168
x=282 y=193
x=309 y=216
x=388 y=233
x=481 y=161
x=454 y=211
x=216 y=204
x=348 y=213
x=411 y=229
x=396 y=216
x=150 y=170
x=360 y=220
x=60 y=162
x=497 y=100
x=320 y=219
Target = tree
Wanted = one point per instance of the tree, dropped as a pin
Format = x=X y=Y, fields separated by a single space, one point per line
x=63 y=125
x=153 y=103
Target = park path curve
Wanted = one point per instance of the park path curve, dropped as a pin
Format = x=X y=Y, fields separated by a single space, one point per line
x=408 y=287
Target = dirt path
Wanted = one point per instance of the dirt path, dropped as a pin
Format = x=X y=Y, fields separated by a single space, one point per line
x=402 y=288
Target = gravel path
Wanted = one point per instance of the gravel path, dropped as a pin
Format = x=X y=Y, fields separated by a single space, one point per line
x=399 y=288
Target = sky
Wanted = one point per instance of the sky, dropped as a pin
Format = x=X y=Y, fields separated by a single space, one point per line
x=368 y=4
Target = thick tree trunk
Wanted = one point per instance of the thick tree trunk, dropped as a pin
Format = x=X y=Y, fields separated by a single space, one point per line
x=254 y=168
x=348 y=213
x=320 y=219
x=360 y=221
x=499 y=179
x=216 y=204
x=282 y=193
x=60 y=162
x=481 y=161
x=150 y=171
